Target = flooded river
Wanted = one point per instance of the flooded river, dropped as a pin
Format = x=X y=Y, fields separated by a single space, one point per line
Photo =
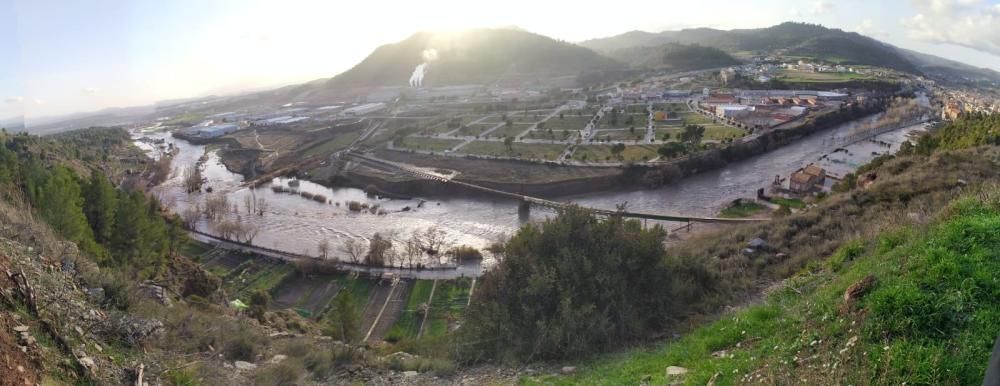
x=297 y=225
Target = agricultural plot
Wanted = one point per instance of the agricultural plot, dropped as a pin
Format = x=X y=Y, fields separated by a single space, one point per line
x=620 y=135
x=795 y=76
x=520 y=150
x=393 y=308
x=512 y=131
x=602 y=153
x=474 y=129
x=308 y=295
x=408 y=324
x=713 y=132
x=568 y=122
x=427 y=144
x=624 y=121
x=671 y=107
x=554 y=135
x=518 y=117
x=450 y=300
x=331 y=145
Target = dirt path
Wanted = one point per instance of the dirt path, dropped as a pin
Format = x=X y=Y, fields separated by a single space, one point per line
x=376 y=301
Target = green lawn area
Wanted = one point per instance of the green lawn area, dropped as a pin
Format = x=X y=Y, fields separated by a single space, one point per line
x=253 y=275
x=513 y=130
x=789 y=202
x=795 y=76
x=450 y=300
x=429 y=144
x=638 y=121
x=516 y=117
x=359 y=288
x=746 y=209
x=475 y=129
x=521 y=150
x=569 y=122
x=408 y=324
x=602 y=153
x=930 y=317
x=558 y=135
x=712 y=132
x=331 y=145
x=621 y=135
x=671 y=107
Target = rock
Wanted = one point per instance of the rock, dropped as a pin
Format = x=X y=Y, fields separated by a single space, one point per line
x=21 y=328
x=409 y=374
x=568 y=369
x=646 y=379
x=673 y=371
x=88 y=363
x=244 y=366
x=719 y=354
x=95 y=295
x=78 y=330
x=781 y=255
x=278 y=358
x=857 y=290
x=711 y=381
x=757 y=243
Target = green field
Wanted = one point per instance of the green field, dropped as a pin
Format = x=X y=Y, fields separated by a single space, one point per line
x=568 y=122
x=742 y=210
x=795 y=76
x=331 y=145
x=408 y=324
x=513 y=130
x=558 y=135
x=639 y=121
x=521 y=150
x=450 y=299
x=712 y=132
x=428 y=144
x=620 y=135
x=671 y=107
x=474 y=129
x=602 y=153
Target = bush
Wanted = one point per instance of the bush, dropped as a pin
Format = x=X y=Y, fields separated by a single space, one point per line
x=465 y=253
x=241 y=347
x=286 y=372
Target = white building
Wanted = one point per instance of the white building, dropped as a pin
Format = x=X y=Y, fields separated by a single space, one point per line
x=364 y=109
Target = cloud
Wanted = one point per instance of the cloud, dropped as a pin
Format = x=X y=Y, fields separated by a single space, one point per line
x=14 y=100
x=868 y=28
x=91 y=90
x=38 y=101
x=821 y=7
x=973 y=24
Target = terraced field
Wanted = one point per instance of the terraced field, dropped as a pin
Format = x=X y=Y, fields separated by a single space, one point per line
x=427 y=144
x=520 y=150
x=602 y=153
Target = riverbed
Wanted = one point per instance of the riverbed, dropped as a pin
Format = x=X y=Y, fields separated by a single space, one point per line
x=295 y=224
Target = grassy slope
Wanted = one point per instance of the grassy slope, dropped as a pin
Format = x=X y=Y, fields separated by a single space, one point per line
x=931 y=317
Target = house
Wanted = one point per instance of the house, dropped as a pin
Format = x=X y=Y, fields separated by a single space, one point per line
x=951 y=111
x=807 y=179
x=727 y=75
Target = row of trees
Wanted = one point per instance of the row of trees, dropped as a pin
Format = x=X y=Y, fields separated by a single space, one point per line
x=380 y=250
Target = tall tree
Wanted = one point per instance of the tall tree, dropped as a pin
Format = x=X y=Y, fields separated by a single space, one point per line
x=100 y=203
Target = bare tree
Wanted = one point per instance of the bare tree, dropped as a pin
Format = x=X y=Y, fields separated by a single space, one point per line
x=248 y=203
x=261 y=206
x=190 y=216
x=378 y=247
x=412 y=249
x=355 y=249
x=192 y=179
x=431 y=240
x=323 y=248
x=216 y=205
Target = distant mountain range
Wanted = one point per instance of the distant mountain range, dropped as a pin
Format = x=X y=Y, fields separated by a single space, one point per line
x=799 y=39
x=675 y=57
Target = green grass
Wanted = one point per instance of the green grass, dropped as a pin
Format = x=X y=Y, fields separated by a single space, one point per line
x=331 y=145
x=621 y=135
x=602 y=153
x=930 y=318
x=638 y=121
x=713 y=131
x=427 y=144
x=359 y=288
x=746 y=209
x=557 y=135
x=520 y=150
x=671 y=107
x=789 y=202
x=408 y=324
x=568 y=122
x=450 y=300
x=513 y=130
x=475 y=129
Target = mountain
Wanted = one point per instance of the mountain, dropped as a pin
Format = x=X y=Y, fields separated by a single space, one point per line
x=786 y=38
x=470 y=56
x=950 y=70
x=675 y=56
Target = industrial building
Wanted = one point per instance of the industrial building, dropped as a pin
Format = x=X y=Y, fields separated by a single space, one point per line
x=364 y=109
x=213 y=131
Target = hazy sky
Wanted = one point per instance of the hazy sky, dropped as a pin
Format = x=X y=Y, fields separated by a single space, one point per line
x=67 y=56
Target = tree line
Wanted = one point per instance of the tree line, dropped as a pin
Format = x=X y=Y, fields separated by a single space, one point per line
x=117 y=227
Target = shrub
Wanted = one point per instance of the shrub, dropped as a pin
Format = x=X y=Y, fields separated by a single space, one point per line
x=286 y=372
x=241 y=347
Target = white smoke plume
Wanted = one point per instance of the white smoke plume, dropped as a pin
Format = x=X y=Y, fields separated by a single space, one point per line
x=417 y=79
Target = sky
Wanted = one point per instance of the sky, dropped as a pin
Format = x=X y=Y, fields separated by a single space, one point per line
x=59 y=57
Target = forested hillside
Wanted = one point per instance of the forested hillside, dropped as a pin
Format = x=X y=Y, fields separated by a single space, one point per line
x=675 y=57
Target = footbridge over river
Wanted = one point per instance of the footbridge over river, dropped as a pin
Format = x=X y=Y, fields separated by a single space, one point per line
x=529 y=200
